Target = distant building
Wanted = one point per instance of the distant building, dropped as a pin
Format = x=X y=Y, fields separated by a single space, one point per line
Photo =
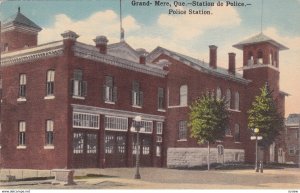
x=69 y=104
x=292 y=139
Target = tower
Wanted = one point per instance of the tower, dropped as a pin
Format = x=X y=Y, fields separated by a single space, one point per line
x=18 y=32
x=261 y=62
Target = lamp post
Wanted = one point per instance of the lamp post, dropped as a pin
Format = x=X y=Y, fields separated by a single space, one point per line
x=137 y=125
x=256 y=131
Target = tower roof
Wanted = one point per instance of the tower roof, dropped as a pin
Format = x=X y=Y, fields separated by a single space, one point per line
x=21 y=20
x=259 y=38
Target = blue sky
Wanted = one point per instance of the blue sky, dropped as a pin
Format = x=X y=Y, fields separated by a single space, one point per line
x=152 y=26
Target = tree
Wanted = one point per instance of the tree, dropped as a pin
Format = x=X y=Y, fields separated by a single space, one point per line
x=208 y=119
x=264 y=115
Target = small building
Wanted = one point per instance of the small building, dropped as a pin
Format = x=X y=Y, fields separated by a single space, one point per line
x=292 y=139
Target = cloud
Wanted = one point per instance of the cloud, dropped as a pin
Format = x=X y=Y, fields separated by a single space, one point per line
x=289 y=67
x=99 y=23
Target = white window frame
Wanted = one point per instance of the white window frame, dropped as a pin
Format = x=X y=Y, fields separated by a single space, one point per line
x=158 y=151
x=159 y=128
x=86 y=120
x=182 y=131
x=22 y=85
x=183 y=96
x=50 y=82
x=49 y=129
x=228 y=98
x=119 y=124
x=147 y=126
x=237 y=101
x=22 y=133
x=159 y=139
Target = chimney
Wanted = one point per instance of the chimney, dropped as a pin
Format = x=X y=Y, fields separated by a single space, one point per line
x=231 y=67
x=213 y=56
x=101 y=44
x=69 y=35
x=142 y=53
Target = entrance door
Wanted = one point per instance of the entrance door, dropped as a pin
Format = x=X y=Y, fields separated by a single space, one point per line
x=85 y=149
x=281 y=156
x=145 y=150
x=115 y=149
x=272 y=152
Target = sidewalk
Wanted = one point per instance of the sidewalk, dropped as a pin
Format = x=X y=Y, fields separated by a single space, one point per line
x=161 y=178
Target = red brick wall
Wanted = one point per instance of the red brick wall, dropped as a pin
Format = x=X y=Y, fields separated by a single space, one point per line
x=18 y=40
x=198 y=83
x=35 y=111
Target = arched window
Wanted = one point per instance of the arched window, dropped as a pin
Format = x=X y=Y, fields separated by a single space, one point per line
x=228 y=98
x=237 y=101
x=250 y=58
x=183 y=95
x=219 y=93
x=236 y=132
x=260 y=57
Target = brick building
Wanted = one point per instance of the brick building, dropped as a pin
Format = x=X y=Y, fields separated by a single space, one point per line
x=290 y=153
x=69 y=104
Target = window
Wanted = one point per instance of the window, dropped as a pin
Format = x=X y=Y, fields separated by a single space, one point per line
x=158 y=139
x=228 y=98
x=121 y=144
x=78 y=143
x=22 y=130
x=146 y=146
x=158 y=150
x=116 y=123
x=148 y=125
x=182 y=130
x=220 y=149
x=260 y=57
x=159 y=128
x=227 y=131
x=237 y=101
x=237 y=132
x=161 y=98
x=85 y=120
x=297 y=134
x=109 y=144
x=236 y=157
x=49 y=132
x=134 y=146
x=292 y=150
x=50 y=83
x=183 y=95
x=219 y=93
x=137 y=95
x=22 y=86
x=79 y=87
x=91 y=143
x=109 y=90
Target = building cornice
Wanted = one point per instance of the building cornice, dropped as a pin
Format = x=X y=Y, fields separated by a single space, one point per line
x=89 y=52
x=43 y=51
x=114 y=112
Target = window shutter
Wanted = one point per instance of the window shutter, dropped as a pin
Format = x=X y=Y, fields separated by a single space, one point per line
x=84 y=88
x=141 y=102
x=115 y=94
x=72 y=87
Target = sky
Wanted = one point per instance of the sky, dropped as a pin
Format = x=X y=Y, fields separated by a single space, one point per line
x=149 y=27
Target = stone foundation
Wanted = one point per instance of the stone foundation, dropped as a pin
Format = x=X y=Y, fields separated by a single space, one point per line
x=192 y=157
